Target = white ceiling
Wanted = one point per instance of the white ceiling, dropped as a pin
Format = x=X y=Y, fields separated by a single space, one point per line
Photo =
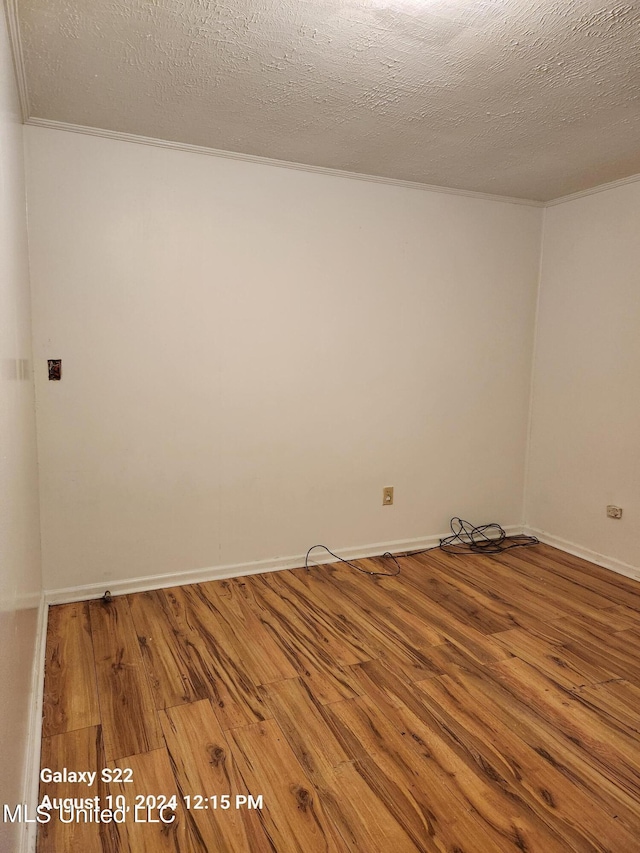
x=531 y=99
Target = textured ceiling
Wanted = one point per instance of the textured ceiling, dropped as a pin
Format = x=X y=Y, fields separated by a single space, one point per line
x=525 y=98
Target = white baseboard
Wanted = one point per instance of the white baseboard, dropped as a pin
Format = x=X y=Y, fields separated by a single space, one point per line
x=213 y=573
x=586 y=554
x=34 y=743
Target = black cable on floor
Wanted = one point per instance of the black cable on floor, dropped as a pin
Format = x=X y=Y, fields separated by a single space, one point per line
x=353 y=565
x=484 y=539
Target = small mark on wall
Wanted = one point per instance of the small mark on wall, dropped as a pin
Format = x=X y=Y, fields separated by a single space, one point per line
x=55 y=368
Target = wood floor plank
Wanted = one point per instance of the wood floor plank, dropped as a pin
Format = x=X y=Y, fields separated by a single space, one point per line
x=303 y=645
x=304 y=723
x=556 y=659
x=549 y=594
x=217 y=670
x=614 y=700
x=203 y=767
x=620 y=654
x=609 y=746
x=418 y=791
x=616 y=618
x=631 y=637
x=438 y=588
x=129 y=719
x=294 y=816
x=446 y=626
x=70 y=689
x=613 y=586
x=392 y=626
x=344 y=650
x=476 y=598
x=339 y=584
x=169 y=668
x=575 y=590
x=375 y=633
x=356 y=808
x=243 y=630
x=599 y=649
x=329 y=619
x=150 y=829
x=488 y=578
x=557 y=748
x=80 y=749
x=376 y=600
x=362 y=813
x=585 y=824
x=477 y=783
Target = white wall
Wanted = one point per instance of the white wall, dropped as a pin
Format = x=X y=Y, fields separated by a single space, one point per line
x=585 y=443
x=20 y=583
x=251 y=353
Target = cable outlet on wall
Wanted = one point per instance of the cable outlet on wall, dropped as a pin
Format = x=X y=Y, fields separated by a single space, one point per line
x=387 y=496
x=614 y=511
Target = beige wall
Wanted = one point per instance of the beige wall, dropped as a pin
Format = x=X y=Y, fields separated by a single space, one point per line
x=20 y=584
x=585 y=440
x=251 y=353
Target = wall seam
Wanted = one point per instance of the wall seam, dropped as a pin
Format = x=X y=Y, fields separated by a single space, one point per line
x=15 y=41
x=534 y=353
x=34 y=747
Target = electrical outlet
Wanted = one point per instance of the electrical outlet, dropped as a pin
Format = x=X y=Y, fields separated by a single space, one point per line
x=387 y=496
x=614 y=511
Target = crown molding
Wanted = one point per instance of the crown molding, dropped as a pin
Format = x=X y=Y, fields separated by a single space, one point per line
x=601 y=188
x=11 y=12
x=268 y=161
x=284 y=164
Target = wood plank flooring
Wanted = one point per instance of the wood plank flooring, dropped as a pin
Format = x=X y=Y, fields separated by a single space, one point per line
x=472 y=704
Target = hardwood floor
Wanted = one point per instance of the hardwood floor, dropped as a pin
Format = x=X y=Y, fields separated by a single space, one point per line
x=471 y=704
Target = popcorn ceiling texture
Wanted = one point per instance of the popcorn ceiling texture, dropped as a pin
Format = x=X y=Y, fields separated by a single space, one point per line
x=531 y=99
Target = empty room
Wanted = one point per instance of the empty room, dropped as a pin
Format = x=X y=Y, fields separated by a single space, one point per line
x=319 y=426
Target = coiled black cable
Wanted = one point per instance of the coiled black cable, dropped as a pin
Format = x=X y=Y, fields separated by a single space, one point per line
x=484 y=539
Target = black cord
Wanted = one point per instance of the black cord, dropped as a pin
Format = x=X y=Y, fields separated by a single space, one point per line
x=484 y=539
x=353 y=565
x=466 y=535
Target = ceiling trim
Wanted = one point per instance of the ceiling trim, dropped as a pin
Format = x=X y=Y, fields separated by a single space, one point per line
x=601 y=188
x=11 y=10
x=268 y=161
x=303 y=167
